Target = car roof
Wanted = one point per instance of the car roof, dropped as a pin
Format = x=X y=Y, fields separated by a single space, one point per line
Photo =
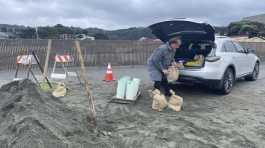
x=222 y=38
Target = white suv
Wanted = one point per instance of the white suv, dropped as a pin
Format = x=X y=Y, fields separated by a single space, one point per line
x=224 y=60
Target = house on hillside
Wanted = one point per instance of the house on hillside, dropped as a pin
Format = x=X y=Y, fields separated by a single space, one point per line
x=146 y=39
x=3 y=35
x=143 y=39
x=66 y=36
x=84 y=37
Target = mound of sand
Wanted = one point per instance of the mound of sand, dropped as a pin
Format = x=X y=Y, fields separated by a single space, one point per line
x=31 y=118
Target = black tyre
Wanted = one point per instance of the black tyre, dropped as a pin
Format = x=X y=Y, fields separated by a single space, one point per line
x=255 y=73
x=227 y=82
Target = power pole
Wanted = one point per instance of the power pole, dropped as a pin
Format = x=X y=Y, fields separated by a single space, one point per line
x=37 y=34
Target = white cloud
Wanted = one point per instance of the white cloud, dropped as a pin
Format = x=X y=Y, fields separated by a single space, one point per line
x=123 y=13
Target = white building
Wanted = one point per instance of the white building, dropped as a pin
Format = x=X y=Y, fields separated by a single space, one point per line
x=84 y=37
x=3 y=35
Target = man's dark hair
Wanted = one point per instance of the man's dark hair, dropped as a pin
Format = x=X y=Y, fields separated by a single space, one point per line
x=174 y=40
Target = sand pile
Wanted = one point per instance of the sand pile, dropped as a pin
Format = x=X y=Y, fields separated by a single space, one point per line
x=31 y=118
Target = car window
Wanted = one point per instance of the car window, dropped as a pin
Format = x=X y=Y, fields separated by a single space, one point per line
x=238 y=47
x=229 y=47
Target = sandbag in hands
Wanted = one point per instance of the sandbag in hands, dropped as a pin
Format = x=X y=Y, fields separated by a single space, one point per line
x=159 y=100
x=178 y=64
x=175 y=102
x=172 y=74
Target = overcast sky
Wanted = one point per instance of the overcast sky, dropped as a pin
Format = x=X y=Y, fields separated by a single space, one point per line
x=115 y=14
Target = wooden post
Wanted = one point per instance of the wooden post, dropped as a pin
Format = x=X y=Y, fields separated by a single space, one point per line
x=92 y=111
x=45 y=72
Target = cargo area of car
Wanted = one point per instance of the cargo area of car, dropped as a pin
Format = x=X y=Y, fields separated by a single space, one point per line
x=193 y=53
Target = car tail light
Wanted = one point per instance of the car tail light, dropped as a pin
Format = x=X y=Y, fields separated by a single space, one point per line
x=212 y=58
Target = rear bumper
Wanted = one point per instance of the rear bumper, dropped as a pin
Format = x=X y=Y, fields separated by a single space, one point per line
x=208 y=82
x=210 y=71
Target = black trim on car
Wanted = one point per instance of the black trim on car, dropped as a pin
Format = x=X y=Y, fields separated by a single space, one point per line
x=196 y=80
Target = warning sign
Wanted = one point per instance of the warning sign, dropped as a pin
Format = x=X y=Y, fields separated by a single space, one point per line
x=26 y=59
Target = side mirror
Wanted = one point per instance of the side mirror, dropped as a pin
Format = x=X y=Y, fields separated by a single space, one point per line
x=250 y=50
x=246 y=51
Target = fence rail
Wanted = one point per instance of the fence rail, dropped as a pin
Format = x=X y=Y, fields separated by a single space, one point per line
x=96 y=53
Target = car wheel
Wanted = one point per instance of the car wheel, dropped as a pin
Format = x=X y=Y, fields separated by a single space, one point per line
x=227 y=82
x=255 y=73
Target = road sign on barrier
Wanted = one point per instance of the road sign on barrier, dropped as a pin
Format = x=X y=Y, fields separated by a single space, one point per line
x=26 y=60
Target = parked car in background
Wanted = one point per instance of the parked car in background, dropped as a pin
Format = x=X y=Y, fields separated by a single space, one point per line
x=224 y=61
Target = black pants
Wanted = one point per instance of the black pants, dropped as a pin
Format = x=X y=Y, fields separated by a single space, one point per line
x=163 y=86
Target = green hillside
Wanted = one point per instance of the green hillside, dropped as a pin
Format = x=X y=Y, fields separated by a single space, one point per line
x=257 y=18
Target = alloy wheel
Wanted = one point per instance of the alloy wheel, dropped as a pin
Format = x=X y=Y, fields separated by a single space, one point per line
x=228 y=81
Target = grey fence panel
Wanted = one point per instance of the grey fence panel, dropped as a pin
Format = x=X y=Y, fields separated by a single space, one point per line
x=10 y=49
x=258 y=46
x=96 y=53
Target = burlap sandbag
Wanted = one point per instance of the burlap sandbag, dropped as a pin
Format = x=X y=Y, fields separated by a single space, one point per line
x=159 y=100
x=175 y=102
x=173 y=74
x=60 y=90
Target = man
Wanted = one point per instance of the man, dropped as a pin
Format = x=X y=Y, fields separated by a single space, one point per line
x=159 y=62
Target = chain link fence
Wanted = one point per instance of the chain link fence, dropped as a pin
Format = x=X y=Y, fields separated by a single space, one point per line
x=96 y=53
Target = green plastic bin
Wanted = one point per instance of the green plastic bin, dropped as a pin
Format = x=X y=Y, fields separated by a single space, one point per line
x=121 y=88
x=132 y=89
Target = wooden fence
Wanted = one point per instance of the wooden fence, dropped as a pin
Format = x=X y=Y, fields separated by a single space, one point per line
x=96 y=53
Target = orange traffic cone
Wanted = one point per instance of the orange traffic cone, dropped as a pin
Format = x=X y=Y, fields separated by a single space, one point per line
x=109 y=76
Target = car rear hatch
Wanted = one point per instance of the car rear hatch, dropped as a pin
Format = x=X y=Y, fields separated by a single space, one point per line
x=192 y=33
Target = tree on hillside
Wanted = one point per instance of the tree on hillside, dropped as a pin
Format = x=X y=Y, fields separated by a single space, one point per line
x=101 y=36
x=246 y=28
x=28 y=33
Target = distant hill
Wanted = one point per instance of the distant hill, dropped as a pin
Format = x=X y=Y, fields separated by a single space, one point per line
x=54 y=32
x=257 y=18
x=133 y=33
x=11 y=28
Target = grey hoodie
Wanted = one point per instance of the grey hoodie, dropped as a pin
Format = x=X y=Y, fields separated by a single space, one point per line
x=161 y=58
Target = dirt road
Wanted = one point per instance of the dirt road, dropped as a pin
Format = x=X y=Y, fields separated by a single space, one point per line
x=208 y=119
x=236 y=120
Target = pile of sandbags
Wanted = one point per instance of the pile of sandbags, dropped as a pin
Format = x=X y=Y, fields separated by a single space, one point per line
x=175 y=102
x=198 y=61
x=160 y=102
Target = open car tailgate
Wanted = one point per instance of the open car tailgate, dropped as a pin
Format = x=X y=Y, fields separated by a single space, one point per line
x=187 y=29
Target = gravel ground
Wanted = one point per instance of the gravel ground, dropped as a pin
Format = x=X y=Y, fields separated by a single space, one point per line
x=236 y=120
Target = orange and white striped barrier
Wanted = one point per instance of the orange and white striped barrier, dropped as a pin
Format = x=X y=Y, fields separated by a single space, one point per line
x=66 y=58
x=25 y=59
x=63 y=58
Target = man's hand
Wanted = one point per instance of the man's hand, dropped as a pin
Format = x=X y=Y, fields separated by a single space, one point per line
x=174 y=64
x=165 y=71
x=178 y=64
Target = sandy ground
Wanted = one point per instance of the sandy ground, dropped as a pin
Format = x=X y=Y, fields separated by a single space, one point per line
x=236 y=120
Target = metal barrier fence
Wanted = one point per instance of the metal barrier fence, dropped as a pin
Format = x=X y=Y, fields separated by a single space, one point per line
x=96 y=53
